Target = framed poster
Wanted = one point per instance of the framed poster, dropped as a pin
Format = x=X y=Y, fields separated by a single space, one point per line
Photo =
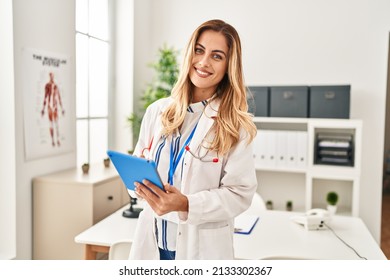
x=46 y=104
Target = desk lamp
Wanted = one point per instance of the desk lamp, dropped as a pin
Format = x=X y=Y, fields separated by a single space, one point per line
x=132 y=212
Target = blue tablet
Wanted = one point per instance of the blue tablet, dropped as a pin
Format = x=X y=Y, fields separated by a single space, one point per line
x=135 y=169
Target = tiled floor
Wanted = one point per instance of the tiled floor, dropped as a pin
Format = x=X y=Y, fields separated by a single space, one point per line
x=385 y=232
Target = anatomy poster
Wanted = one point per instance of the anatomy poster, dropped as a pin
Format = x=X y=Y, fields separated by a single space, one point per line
x=46 y=102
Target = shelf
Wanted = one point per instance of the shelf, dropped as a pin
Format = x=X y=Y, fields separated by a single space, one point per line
x=306 y=184
x=333 y=172
x=280 y=188
x=280 y=120
x=343 y=211
x=320 y=123
x=320 y=188
x=295 y=209
x=281 y=169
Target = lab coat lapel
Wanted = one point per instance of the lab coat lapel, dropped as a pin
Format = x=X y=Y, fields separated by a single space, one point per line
x=156 y=137
x=156 y=130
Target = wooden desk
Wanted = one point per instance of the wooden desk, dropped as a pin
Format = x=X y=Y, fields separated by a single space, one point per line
x=98 y=238
x=274 y=237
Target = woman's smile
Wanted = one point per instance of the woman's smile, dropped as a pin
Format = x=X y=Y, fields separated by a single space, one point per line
x=202 y=73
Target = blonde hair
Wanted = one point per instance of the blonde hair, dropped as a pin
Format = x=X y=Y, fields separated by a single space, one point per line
x=233 y=110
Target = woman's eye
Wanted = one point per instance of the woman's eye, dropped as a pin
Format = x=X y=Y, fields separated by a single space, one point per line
x=198 y=51
x=217 y=57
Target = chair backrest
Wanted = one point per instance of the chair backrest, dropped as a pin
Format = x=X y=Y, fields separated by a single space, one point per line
x=257 y=205
x=120 y=250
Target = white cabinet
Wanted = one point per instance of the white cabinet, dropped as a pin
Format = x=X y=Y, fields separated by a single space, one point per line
x=285 y=152
x=68 y=202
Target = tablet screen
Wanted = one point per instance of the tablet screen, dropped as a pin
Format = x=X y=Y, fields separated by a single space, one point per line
x=134 y=169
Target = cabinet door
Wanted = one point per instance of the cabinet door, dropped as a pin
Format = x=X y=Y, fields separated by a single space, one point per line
x=106 y=199
x=125 y=197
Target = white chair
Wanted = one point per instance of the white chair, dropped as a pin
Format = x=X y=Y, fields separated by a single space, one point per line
x=120 y=250
x=257 y=205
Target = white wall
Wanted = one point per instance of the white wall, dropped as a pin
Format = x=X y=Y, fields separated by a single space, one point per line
x=124 y=56
x=49 y=25
x=44 y=25
x=7 y=132
x=294 y=42
x=284 y=42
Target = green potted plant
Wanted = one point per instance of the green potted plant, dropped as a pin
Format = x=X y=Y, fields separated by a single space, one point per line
x=167 y=70
x=269 y=205
x=289 y=205
x=332 y=199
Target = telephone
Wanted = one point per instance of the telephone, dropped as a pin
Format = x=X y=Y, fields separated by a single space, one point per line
x=313 y=219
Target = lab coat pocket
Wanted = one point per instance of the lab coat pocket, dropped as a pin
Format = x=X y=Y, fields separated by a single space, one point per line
x=145 y=246
x=216 y=243
x=209 y=168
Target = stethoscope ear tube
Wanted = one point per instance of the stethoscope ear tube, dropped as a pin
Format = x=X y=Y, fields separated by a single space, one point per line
x=215 y=160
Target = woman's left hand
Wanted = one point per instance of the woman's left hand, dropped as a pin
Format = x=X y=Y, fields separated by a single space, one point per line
x=162 y=202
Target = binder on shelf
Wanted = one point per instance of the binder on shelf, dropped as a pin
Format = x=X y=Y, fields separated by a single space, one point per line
x=265 y=155
x=281 y=148
x=301 y=149
x=259 y=149
x=292 y=149
x=270 y=148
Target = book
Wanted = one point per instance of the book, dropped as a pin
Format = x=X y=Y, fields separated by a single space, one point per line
x=334 y=144
x=335 y=136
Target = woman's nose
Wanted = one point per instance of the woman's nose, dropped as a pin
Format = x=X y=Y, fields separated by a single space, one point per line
x=204 y=62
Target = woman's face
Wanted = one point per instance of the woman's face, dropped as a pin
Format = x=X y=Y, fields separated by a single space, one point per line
x=209 y=64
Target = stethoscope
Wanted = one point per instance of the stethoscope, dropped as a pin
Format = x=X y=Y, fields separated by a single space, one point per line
x=187 y=148
x=147 y=149
x=201 y=158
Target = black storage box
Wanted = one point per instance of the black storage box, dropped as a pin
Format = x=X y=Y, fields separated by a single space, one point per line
x=329 y=101
x=289 y=101
x=258 y=101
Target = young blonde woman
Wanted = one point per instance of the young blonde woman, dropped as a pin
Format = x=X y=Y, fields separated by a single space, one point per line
x=200 y=138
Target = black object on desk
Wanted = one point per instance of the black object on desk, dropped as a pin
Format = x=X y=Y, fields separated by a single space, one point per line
x=132 y=212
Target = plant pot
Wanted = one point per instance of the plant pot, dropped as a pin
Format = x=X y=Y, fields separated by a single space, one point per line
x=332 y=209
x=106 y=162
x=85 y=168
x=269 y=205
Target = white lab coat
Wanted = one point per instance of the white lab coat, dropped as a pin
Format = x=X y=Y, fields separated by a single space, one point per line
x=217 y=192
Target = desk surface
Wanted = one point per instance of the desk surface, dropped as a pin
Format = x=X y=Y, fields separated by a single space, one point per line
x=274 y=236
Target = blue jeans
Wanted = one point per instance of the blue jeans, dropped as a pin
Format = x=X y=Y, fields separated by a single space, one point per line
x=166 y=254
